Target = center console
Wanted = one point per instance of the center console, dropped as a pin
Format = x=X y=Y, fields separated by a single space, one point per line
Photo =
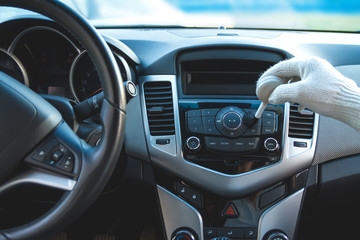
x=220 y=173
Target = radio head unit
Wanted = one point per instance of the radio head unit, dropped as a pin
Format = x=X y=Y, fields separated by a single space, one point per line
x=224 y=136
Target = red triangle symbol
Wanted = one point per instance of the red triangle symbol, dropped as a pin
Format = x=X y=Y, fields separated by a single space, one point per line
x=230 y=211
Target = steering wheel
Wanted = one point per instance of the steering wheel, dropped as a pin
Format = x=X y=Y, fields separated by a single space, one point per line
x=33 y=131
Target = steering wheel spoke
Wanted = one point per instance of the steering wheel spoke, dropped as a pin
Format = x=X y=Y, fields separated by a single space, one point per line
x=38 y=177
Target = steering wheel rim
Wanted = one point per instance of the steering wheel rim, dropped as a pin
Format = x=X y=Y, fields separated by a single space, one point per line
x=96 y=163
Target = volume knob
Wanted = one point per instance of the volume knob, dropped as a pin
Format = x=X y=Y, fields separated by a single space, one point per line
x=193 y=143
x=271 y=144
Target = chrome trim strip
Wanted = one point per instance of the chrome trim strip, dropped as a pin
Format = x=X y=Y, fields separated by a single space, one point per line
x=283 y=216
x=40 y=178
x=178 y=214
x=292 y=161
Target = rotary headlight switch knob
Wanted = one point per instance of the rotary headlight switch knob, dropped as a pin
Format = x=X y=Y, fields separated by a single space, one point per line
x=229 y=122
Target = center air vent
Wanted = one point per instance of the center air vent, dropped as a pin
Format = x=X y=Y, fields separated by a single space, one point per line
x=301 y=125
x=159 y=108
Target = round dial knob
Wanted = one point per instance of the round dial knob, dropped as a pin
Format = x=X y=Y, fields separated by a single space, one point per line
x=183 y=235
x=229 y=122
x=232 y=120
x=277 y=236
x=193 y=143
x=271 y=144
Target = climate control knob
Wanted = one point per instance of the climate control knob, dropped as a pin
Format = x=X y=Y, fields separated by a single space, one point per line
x=193 y=143
x=183 y=235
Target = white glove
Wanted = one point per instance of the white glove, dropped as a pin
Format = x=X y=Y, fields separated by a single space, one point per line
x=322 y=88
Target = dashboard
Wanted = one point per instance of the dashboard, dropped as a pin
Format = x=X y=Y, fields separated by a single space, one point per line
x=217 y=172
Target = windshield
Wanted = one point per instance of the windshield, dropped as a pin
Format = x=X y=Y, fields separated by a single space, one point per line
x=323 y=15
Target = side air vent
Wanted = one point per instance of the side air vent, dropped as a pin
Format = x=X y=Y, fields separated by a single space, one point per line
x=301 y=125
x=159 y=108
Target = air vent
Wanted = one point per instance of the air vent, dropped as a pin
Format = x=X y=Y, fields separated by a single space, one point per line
x=301 y=125
x=159 y=107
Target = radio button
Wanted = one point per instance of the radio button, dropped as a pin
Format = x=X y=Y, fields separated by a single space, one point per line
x=225 y=144
x=268 y=114
x=232 y=134
x=194 y=121
x=267 y=130
x=208 y=121
x=212 y=143
x=194 y=113
x=239 y=145
x=268 y=122
x=251 y=144
x=195 y=129
x=211 y=130
x=209 y=112
x=254 y=130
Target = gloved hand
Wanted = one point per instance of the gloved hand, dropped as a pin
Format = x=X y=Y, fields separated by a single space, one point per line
x=315 y=84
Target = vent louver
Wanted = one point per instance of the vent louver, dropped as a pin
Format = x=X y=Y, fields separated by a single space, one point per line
x=301 y=125
x=159 y=108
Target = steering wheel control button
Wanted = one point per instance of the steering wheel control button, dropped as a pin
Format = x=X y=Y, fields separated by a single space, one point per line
x=276 y=236
x=230 y=211
x=231 y=233
x=192 y=196
x=67 y=163
x=193 y=143
x=43 y=152
x=56 y=156
x=183 y=235
x=271 y=144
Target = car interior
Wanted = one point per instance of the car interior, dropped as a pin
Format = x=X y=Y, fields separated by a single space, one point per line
x=149 y=133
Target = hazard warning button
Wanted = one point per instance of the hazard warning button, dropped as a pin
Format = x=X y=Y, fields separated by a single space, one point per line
x=230 y=211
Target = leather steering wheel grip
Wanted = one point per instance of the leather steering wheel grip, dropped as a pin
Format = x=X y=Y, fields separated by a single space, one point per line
x=97 y=162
